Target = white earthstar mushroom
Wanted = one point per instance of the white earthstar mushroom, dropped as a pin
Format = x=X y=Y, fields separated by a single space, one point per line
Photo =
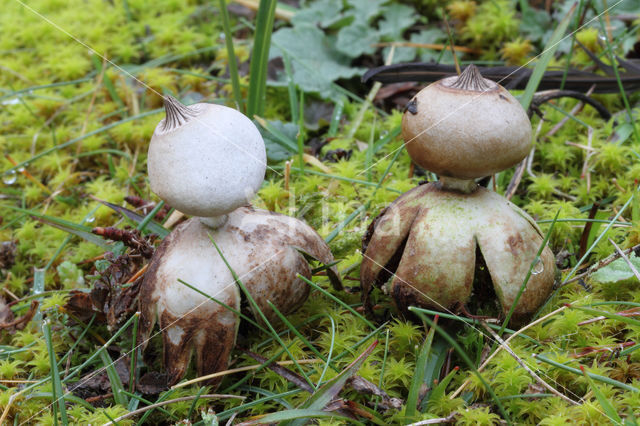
x=205 y=160
x=209 y=161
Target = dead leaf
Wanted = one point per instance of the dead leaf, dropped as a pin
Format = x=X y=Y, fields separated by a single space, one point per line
x=8 y=252
x=364 y=386
x=93 y=385
x=393 y=89
x=10 y=324
x=80 y=304
x=152 y=383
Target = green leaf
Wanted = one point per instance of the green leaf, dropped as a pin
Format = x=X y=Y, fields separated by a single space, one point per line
x=397 y=18
x=429 y=36
x=365 y=10
x=356 y=40
x=617 y=271
x=316 y=63
x=320 y=12
x=535 y=23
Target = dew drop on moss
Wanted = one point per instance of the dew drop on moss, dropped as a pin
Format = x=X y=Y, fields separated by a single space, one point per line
x=9 y=178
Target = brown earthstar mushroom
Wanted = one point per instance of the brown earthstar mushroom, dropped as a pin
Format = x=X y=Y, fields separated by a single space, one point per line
x=461 y=128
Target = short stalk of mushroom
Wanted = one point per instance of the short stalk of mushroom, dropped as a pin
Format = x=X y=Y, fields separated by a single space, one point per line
x=424 y=245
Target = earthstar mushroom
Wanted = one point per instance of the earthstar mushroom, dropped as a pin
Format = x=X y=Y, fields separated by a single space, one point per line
x=208 y=160
x=426 y=241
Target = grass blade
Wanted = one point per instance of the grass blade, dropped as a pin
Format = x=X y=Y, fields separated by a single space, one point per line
x=147 y=221
x=142 y=222
x=304 y=340
x=108 y=84
x=38 y=288
x=300 y=414
x=69 y=398
x=70 y=227
x=335 y=118
x=545 y=58
x=332 y=388
x=116 y=384
x=468 y=361
x=280 y=138
x=610 y=315
x=224 y=305
x=291 y=87
x=597 y=240
x=604 y=402
x=596 y=377
x=301 y=132
x=260 y=58
x=623 y=94
x=83 y=137
x=335 y=299
x=418 y=376
x=438 y=391
x=58 y=393
x=528 y=276
x=231 y=55
x=89 y=360
x=133 y=354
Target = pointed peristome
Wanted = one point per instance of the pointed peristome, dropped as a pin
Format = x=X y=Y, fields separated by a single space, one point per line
x=471 y=79
x=177 y=113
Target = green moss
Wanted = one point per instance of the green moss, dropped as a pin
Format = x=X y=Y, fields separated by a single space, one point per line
x=135 y=34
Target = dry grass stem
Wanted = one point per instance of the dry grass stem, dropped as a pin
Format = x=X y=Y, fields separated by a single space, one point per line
x=484 y=364
x=238 y=370
x=538 y=379
x=626 y=259
x=601 y=264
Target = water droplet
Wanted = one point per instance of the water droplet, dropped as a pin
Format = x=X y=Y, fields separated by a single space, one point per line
x=9 y=178
x=20 y=169
x=538 y=268
x=13 y=101
x=90 y=219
